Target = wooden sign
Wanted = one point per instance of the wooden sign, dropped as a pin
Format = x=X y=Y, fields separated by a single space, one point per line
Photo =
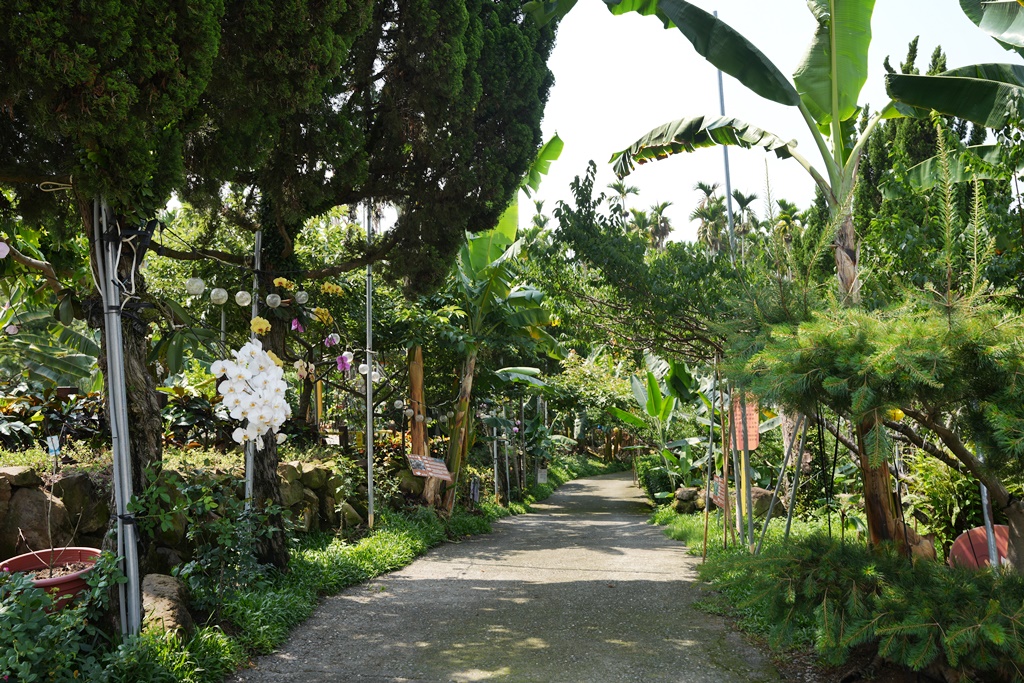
x=752 y=418
x=718 y=492
x=423 y=466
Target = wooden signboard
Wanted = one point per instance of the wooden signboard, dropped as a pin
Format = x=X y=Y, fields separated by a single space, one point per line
x=718 y=492
x=423 y=466
x=752 y=418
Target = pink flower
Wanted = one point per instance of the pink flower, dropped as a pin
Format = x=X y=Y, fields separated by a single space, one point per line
x=343 y=363
x=515 y=430
x=331 y=339
x=297 y=326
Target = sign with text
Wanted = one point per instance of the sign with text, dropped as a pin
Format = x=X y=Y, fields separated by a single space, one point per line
x=718 y=492
x=752 y=418
x=423 y=466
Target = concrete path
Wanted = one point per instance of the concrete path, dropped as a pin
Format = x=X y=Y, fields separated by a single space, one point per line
x=582 y=591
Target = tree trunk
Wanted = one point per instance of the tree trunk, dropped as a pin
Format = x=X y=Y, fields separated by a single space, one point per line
x=459 y=444
x=271 y=548
x=1015 y=548
x=418 y=430
x=879 y=507
x=847 y=257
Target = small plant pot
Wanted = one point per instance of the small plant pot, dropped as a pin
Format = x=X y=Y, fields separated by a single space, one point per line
x=62 y=588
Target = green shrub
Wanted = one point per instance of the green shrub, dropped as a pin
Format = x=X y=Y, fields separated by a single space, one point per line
x=841 y=596
x=652 y=479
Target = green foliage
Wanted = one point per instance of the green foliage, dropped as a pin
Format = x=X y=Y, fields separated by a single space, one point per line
x=915 y=613
x=58 y=647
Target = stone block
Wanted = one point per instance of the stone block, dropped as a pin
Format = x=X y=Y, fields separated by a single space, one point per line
x=163 y=604
x=329 y=513
x=88 y=509
x=314 y=476
x=25 y=526
x=289 y=471
x=410 y=483
x=21 y=476
x=351 y=517
x=291 y=492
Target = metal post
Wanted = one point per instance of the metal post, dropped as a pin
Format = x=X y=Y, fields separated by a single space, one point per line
x=986 y=511
x=130 y=593
x=728 y=182
x=497 y=481
x=369 y=373
x=796 y=481
x=250 y=446
x=778 y=482
x=741 y=502
x=749 y=493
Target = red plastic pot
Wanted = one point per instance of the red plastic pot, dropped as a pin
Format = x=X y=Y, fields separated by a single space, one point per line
x=62 y=588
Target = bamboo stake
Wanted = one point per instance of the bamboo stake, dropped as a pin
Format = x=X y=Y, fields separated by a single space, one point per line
x=778 y=483
x=748 y=489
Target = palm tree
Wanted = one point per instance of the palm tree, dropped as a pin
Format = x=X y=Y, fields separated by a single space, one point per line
x=661 y=226
x=622 y=190
x=639 y=222
x=539 y=219
x=711 y=214
x=709 y=190
x=743 y=201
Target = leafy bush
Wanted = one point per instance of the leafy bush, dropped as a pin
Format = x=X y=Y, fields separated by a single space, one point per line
x=53 y=647
x=842 y=596
x=651 y=474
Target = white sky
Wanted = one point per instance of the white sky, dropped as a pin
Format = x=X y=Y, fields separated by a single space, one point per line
x=619 y=77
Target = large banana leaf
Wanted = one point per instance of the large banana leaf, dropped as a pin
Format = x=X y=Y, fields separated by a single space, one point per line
x=928 y=173
x=544 y=11
x=981 y=93
x=540 y=167
x=995 y=18
x=718 y=43
x=835 y=67
x=686 y=135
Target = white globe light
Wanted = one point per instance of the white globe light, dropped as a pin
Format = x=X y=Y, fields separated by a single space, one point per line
x=194 y=286
x=408 y=412
x=219 y=296
x=375 y=376
x=442 y=418
x=11 y=329
x=301 y=296
x=273 y=300
x=5 y=249
x=450 y=414
x=419 y=418
x=243 y=298
x=363 y=368
x=399 y=404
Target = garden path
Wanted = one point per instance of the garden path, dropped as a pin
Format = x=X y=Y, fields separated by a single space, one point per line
x=584 y=590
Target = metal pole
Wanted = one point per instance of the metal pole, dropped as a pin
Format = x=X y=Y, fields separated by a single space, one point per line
x=728 y=182
x=118 y=408
x=369 y=373
x=250 y=446
x=497 y=482
x=986 y=511
x=223 y=328
x=778 y=482
x=746 y=474
x=741 y=500
x=796 y=481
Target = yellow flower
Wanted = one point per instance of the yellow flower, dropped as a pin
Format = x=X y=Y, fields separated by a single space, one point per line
x=331 y=288
x=555 y=321
x=323 y=315
x=284 y=283
x=259 y=325
x=895 y=415
x=274 y=357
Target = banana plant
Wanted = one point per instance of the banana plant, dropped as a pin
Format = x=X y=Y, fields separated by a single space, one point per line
x=989 y=95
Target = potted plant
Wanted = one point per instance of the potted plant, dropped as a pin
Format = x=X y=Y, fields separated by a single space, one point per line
x=58 y=571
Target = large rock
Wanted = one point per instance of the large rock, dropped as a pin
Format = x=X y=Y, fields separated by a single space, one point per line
x=289 y=471
x=5 y=499
x=305 y=517
x=350 y=515
x=314 y=476
x=21 y=476
x=410 y=483
x=762 y=498
x=688 y=499
x=291 y=492
x=25 y=525
x=163 y=603
x=88 y=509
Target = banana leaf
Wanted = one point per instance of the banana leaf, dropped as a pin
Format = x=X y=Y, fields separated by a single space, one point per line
x=928 y=173
x=687 y=135
x=993 y=18
x=629 y=418
x=718 y=43
x=835 y=67
x=981 y=93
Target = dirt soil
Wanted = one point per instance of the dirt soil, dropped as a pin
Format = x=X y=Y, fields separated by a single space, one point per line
x=57 y=571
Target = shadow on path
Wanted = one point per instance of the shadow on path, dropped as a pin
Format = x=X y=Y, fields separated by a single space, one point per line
x=582 y=591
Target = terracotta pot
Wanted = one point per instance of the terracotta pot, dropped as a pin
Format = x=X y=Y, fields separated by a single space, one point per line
x=62 y=588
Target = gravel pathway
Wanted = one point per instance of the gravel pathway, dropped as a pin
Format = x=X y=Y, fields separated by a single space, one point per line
x=584 y=590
